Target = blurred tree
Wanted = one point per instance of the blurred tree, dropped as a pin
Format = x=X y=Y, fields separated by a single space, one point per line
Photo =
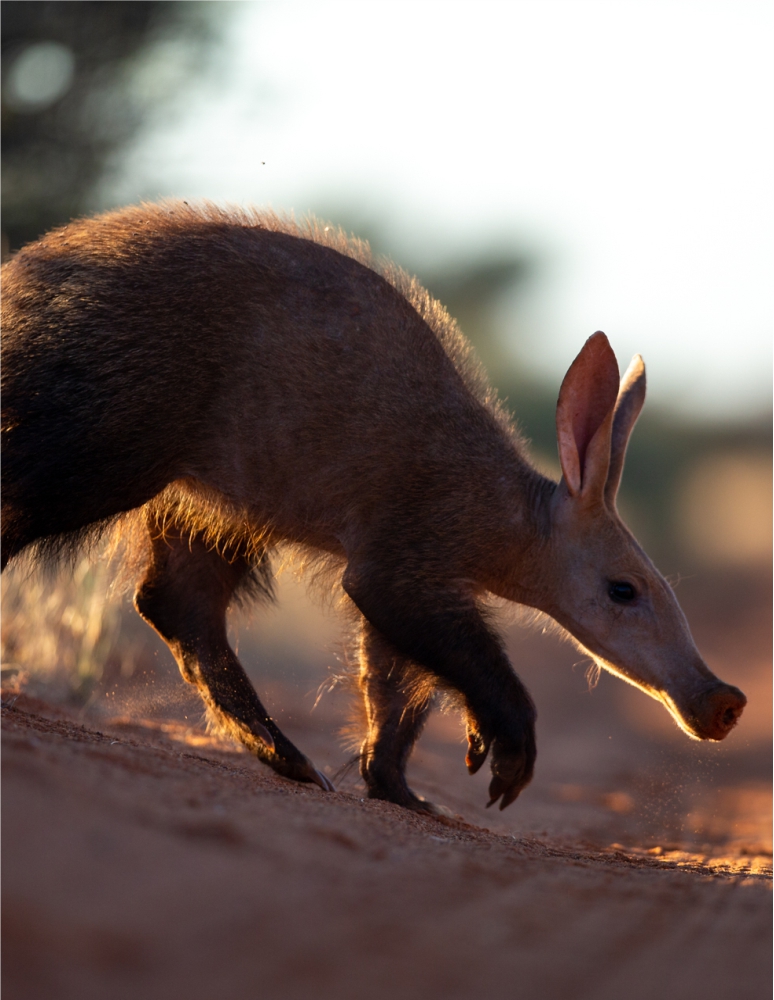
x=472 y=291
x=79 y=79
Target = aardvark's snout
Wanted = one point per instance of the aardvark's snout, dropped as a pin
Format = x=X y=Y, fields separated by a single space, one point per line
x=716 y=711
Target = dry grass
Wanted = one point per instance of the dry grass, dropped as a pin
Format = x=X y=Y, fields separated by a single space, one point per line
x=59 y=629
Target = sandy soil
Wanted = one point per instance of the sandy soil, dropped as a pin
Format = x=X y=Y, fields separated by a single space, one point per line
x=146 y=858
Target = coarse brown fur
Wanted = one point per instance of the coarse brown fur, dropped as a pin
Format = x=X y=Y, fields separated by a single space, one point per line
x=212 y=383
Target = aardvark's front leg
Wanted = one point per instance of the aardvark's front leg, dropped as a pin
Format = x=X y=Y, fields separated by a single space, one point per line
x=442 y=630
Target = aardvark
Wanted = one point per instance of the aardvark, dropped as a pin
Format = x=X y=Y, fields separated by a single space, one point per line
x=213 y=383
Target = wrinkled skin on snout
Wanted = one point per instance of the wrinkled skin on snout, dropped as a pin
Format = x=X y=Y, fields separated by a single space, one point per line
x=596 y=580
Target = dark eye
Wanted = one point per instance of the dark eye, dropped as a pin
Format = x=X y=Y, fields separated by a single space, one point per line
x=621 y=592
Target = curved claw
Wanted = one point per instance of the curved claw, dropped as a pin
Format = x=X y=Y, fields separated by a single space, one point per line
x=263 y=734
x=436 y=810
x=499 y=787
x=478 y=748
x=319 y=779
x=511 y=772
x=306 y=771
x=510 y=796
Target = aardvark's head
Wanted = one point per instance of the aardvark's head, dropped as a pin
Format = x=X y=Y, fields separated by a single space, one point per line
x=598 y=582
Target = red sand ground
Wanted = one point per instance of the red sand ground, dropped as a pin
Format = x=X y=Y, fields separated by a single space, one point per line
x=144 y=858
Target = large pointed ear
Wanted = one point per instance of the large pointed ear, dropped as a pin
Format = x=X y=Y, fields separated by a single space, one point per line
x=584 y=415
x=631 y=396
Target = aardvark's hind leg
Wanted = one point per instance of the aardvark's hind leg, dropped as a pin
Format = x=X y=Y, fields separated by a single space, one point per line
x=397 y=701
x=184 y=596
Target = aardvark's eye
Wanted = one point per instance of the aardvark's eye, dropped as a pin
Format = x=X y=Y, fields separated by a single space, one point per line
x=621 y=592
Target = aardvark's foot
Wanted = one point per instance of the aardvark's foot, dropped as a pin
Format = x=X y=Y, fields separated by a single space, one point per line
x=303 y=770
x=513 y=763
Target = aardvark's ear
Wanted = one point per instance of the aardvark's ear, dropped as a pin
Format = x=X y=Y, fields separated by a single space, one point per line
x=631 y=396
x=584 y=417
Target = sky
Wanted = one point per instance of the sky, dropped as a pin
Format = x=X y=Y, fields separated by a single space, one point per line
x=626 y=146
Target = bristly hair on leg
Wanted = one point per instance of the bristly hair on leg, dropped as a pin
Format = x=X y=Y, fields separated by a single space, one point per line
x=347 y=768
x=62 y=552
x=258 y=584
x=352 y=732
